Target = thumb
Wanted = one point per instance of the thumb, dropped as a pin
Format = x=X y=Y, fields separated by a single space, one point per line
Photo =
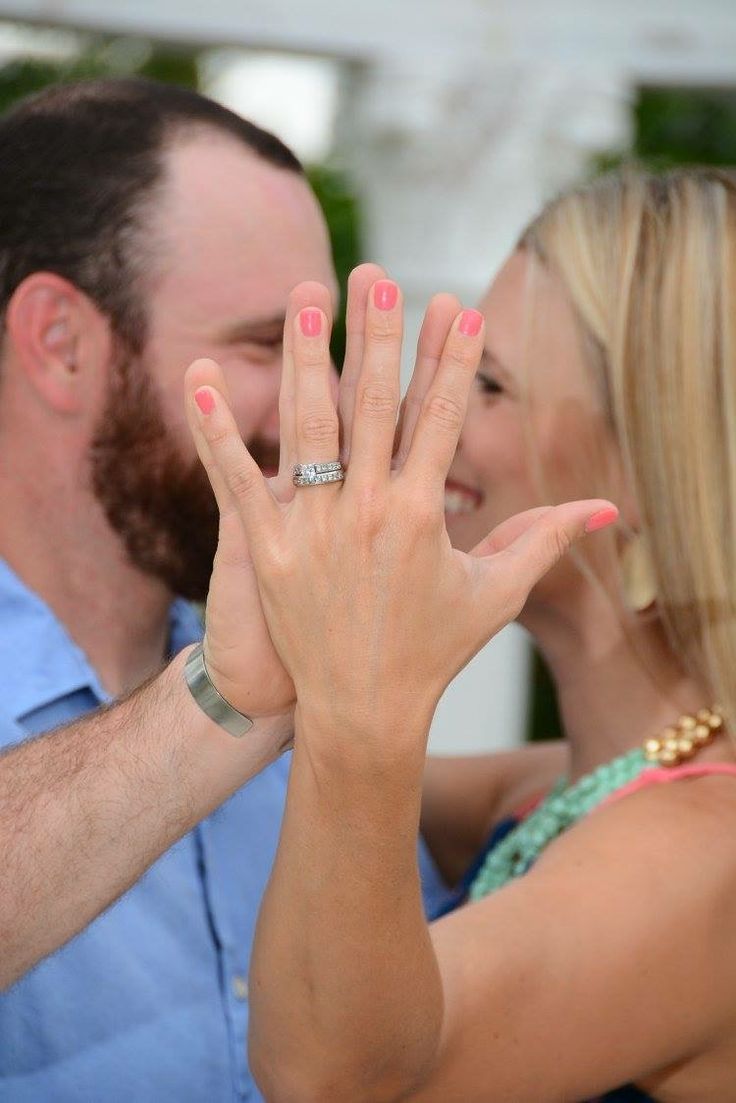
x=527 y=546
x=507 y=532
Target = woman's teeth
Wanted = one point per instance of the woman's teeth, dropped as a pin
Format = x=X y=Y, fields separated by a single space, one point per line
x=460 y=501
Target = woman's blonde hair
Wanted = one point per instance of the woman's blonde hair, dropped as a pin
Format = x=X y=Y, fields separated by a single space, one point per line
x=649 y=265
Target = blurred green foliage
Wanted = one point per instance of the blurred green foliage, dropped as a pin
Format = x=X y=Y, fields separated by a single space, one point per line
x=343 y=219
x=100 y=56
x=672 y=126
x=679 y=126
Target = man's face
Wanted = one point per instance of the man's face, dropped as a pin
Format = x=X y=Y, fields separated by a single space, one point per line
x=232 y=235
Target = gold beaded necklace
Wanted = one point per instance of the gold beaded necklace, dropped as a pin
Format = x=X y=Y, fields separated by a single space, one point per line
x=680 y=742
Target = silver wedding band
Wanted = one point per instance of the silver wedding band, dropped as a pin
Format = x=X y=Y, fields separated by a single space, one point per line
x=315 y=474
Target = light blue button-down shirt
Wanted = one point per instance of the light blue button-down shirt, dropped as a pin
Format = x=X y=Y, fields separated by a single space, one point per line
x=149 y=1004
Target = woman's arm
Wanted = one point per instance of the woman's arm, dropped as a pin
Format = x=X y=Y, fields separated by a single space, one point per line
x=372 y=613
x=352 y=872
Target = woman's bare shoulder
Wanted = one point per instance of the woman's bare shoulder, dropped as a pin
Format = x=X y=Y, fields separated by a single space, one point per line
x=615 y=952
x=686 y=823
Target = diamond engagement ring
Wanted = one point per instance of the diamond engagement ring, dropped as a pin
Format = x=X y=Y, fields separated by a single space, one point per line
x=314 y=474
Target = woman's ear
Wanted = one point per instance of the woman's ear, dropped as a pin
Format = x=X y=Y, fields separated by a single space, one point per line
x=637 y=574
x=55 y=332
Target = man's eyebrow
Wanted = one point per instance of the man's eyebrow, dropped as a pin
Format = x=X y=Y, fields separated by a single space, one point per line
x=252 y=329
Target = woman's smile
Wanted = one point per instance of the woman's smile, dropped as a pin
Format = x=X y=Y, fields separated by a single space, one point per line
x=460 y=498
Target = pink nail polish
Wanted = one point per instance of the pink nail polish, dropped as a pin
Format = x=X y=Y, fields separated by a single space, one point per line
x=602 y=518
x=385 y=294
x=310 y=321
x=470 y=323
x=204 y=400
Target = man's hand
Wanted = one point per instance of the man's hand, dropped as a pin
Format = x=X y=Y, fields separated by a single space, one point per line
x=238 y=652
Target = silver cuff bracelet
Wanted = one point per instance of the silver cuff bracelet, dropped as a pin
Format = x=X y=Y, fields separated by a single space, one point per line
x=209 y=699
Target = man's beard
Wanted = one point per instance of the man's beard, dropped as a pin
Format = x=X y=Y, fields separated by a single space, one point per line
x=159 y=503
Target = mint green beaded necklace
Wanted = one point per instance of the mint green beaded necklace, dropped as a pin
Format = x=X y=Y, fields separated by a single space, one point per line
x=564 y=806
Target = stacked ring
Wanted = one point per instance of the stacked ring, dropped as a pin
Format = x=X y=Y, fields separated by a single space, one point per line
x=315 y=474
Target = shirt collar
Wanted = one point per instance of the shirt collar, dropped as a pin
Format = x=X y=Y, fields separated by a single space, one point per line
x=40 y=662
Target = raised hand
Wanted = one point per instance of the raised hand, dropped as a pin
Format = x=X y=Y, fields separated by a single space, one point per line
x=370 y=609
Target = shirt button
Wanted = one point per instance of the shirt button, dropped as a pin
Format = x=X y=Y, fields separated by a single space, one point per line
x=240 y=987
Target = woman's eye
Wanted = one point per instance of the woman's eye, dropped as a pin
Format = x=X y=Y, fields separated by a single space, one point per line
x=487 y=385
x=267 y=347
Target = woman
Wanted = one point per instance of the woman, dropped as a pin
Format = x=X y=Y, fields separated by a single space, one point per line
x=597 y=947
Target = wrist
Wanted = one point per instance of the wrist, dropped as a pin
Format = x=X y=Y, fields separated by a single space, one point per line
x=205 y=764
x=249 y=677
x=279 y=724
x=356 y=732
x=206 y=694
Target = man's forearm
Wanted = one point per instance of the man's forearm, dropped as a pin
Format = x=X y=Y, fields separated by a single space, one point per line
x=85 y=809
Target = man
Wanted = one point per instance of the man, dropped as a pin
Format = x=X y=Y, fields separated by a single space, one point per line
x=141 y=227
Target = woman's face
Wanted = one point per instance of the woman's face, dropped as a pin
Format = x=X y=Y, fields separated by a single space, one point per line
x=535 y=431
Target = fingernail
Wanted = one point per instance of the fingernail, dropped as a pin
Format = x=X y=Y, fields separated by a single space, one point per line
x=470 y=323
x=602 y=518
x=385 y=294
x=310 y=321
x=205 y=400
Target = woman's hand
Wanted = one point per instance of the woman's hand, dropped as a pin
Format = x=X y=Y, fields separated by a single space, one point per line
x=370 y=609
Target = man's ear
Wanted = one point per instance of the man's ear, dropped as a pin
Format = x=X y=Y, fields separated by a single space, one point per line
x=59 y=340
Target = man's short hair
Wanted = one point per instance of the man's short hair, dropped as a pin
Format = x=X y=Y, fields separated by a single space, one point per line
x=80 y=167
